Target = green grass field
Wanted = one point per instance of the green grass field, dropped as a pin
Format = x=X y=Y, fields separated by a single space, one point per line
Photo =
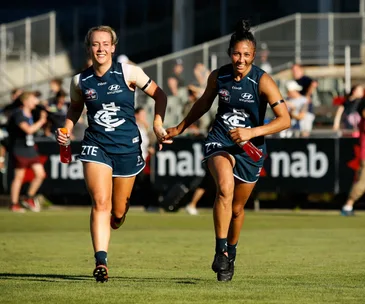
x=165 y=258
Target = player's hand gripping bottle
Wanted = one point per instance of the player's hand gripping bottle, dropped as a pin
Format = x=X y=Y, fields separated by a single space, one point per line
x=252 y=151
x=65 y=150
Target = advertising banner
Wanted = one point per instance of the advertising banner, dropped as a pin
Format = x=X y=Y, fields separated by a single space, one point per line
x=292 y=165
x=299 y=165
x=305 y=165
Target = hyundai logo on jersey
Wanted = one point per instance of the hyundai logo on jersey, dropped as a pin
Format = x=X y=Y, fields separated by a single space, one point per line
x=114 y=89
x=246 y=97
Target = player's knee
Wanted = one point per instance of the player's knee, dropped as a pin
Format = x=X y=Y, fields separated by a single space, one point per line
x=121 y=208
x=225 y=191
x=237 y=211
x=102 y=203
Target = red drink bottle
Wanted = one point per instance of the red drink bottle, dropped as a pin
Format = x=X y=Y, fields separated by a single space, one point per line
x=252 y=151
x=65 y=150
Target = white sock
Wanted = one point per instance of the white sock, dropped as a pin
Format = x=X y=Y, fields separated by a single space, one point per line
x=347 y=208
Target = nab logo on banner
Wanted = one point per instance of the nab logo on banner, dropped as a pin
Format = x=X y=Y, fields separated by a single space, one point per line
x=181 y=163
x=298 y=164
x=71 y=171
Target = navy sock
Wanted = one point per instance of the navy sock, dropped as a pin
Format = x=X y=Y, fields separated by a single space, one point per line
x=231 y=249
x=101 y=258
x=220 y=245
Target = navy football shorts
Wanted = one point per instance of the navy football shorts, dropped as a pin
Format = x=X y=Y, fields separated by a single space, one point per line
x=245 y=169
x=122 y=165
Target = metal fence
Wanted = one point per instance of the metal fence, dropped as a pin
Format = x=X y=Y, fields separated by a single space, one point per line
x=27 y=51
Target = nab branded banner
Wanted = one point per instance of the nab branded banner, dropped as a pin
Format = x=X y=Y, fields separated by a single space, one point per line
x=292 y=165
x=299 y=165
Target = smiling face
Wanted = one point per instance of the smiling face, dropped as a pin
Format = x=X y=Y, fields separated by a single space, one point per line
x=101 y=48
x=242 y=56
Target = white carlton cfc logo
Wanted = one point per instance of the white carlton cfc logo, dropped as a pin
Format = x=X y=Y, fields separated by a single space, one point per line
x=105 y=118
x=235 y=119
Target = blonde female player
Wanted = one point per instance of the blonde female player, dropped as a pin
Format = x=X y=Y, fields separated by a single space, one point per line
x=111 y=153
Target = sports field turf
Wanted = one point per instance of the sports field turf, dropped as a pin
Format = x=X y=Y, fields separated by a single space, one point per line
x=165 y=258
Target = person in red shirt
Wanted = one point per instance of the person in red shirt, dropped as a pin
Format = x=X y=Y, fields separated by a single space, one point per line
x=358 y=188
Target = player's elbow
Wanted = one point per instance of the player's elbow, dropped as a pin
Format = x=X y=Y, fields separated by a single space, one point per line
x=285 y=122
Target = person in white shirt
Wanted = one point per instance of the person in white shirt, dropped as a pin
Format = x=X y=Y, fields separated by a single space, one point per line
x=302 y=119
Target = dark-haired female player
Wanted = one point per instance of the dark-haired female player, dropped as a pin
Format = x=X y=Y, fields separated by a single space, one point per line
x=111 y=154
x=244 y=91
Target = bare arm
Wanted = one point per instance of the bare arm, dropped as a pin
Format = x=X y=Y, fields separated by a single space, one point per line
x=77 y=105
x=137 y=78
x=310 y=90
x=73 y=114
x=155 y=92
x=74 y=111
x=337 y=120
x=270 y=91
x=31 y=129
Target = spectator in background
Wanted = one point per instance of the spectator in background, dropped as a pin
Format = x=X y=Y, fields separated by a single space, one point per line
x=308 y=84
x=347 y=116
x=15 y=93
x=194 y=128
x=201 y=74
x=14 y=102
x=358 y=188
x=55 y=86
x=59 y=110
x=264 y=59
x=175 y=81
x=23 y=153
x=57 y=114
x=297 y=104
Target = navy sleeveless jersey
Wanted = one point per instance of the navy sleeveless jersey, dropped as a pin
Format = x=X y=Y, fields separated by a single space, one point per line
x=240 y=106
x=110 y=111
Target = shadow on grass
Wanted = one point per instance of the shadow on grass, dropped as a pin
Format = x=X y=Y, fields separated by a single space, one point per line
x=65 y=277
x=43 y=277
